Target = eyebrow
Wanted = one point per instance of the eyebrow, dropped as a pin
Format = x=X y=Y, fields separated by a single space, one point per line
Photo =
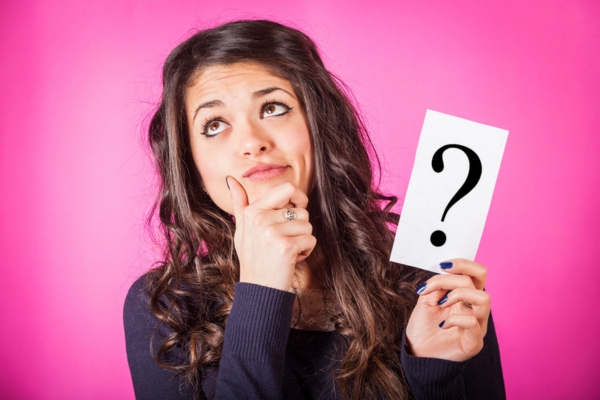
x=208 y=104
x=257 y=94
x=264 y=92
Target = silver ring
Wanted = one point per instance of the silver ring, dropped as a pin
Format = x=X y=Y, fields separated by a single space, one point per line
x=467 y=304
x=290 y=215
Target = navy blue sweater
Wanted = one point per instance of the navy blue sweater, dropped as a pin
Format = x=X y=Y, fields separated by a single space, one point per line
x=263 y=358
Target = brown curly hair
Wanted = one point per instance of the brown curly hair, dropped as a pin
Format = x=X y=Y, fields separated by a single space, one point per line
x=192 y=290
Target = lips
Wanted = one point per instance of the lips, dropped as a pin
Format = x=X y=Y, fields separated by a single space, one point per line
x=264 y=171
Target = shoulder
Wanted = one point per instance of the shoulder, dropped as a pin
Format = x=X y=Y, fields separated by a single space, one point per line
x=136 y=310
x=138 y=290
x=143 y=329
x=138 y=296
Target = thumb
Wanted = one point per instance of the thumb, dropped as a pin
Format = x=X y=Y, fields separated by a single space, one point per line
x=239 y=198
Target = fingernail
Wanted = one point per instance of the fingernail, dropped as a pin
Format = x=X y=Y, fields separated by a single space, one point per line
x=421 y=288
x=446 y=265
x=443 y=299
x=442 y=323
x=227 y=183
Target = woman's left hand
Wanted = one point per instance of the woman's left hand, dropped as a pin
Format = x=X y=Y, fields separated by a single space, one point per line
x=451 y=317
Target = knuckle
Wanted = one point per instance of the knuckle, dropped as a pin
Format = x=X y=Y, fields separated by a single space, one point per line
x=286 y=245
x=306 y=227
x=453 y=294
x=288 y=187
x=483 y=272
x=472 y=321
x=466 y=281
x=487 y=299
x=260 y=219
x=434 y=280
x=270 y=232
x=303 y=196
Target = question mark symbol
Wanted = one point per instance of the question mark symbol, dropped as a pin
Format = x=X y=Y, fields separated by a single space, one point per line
x=438 y=238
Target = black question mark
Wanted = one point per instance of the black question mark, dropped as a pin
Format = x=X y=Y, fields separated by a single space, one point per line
x=438 y=238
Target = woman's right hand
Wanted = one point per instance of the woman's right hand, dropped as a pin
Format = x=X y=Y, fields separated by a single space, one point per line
x=267 y=244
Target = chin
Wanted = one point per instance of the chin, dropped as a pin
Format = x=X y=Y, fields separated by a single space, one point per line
x=257 y=193
x=258 y=189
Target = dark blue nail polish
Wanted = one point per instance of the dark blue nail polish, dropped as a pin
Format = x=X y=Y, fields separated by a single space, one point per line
x=442 y=323
x=227 y=183
x=421 y=288
x=443 y=299
x=446 y=265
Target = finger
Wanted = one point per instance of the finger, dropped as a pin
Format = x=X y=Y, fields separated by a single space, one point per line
x=471 y=302
x=460 y=321
x=476 y=271
x=466 y=322
x=279 y=196
x=239 y=198
x=445 y=282
x=290 y=229
x=471 y=326
x=477 y=298
x=303 y=245
x=291 y=214
x=282 y=216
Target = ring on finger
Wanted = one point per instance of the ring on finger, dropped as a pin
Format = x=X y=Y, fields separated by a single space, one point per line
x=290 y=215
x=467 y=304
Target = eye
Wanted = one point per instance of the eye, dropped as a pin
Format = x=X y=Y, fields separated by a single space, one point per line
x=274 y=109
x=214 y=127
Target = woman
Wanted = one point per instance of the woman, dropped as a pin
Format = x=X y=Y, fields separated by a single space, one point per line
x=276 y=281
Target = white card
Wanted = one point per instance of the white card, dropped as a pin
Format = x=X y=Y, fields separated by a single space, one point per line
x=462 y=148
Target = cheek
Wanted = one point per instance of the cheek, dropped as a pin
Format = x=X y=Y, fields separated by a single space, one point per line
x=310 y=172
x=298 y=139
x=207 y=164
x=305 y=144
x=208 y=172
x=213 y=172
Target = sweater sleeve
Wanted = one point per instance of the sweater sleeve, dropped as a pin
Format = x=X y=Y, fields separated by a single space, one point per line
x=253 y=360
x=477 y=378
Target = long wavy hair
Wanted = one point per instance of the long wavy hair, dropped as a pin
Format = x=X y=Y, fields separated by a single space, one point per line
x=192 y=289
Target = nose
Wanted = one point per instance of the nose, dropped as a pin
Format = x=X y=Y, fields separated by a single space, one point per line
x=253 y=140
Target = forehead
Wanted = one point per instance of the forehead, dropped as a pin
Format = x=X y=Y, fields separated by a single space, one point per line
x=220 y=80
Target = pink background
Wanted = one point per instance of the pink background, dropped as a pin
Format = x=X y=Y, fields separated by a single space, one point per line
x=78 y=80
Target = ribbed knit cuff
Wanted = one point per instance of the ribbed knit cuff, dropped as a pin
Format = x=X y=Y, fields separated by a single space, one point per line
x=259 y=323
x=432 y=378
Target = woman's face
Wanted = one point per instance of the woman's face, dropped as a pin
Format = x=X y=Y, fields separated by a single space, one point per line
x=247 y=123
